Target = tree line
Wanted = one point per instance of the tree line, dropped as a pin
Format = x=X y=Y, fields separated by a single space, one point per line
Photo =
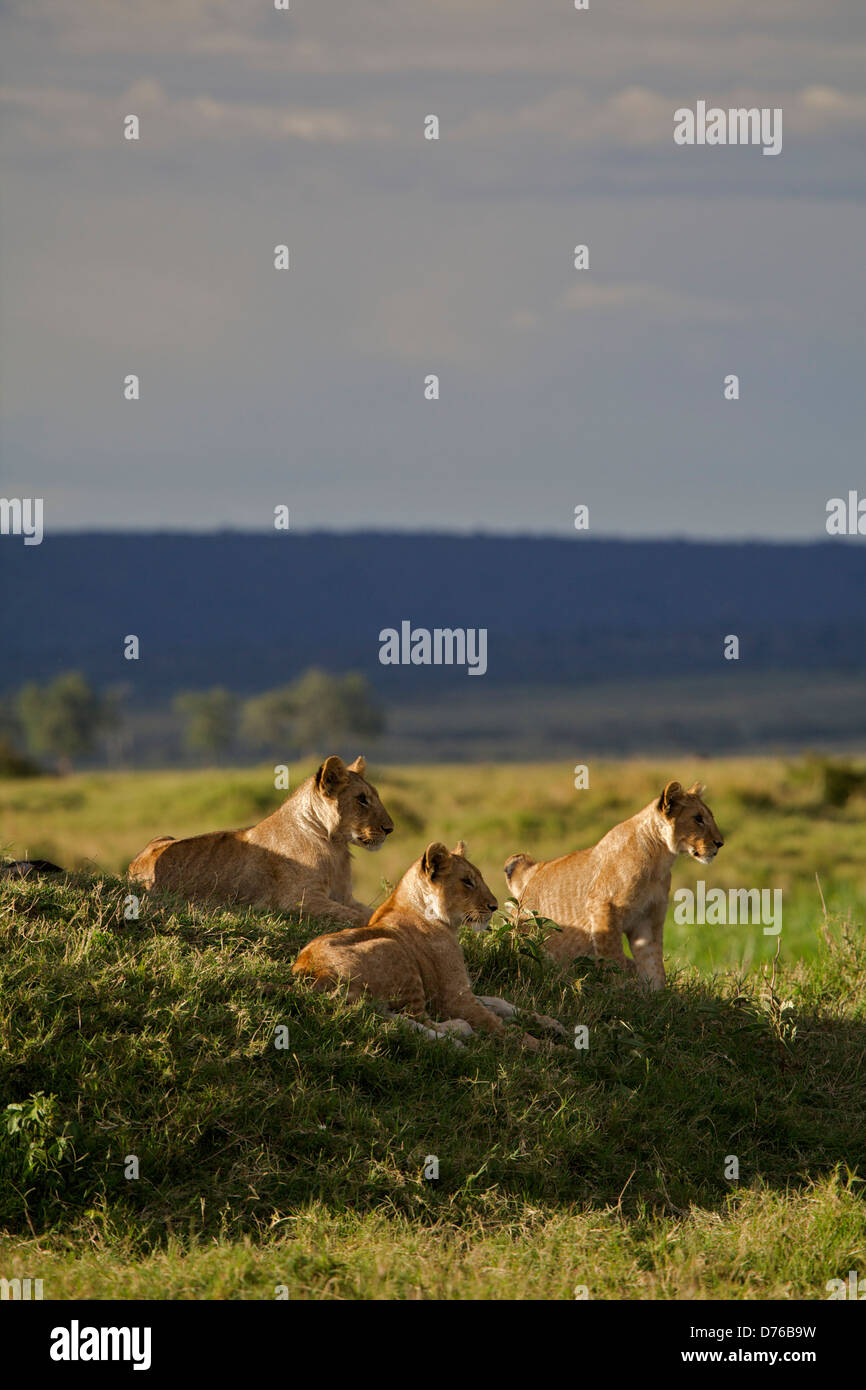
x=65 y=720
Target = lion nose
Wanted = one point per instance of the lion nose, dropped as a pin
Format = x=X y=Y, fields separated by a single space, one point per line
x=492 y=906
x=387 y=829
x=719 y=843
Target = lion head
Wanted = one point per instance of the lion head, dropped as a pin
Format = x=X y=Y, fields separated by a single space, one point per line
x=349 y=805
x=451 y=888
x=689 y=824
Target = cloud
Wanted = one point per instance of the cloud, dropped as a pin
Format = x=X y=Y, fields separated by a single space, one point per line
x=635 y=117
x=58 y=117
x=407 y=257
x=454 y=36
x=654 y=301
x=817 y=109
x=632 y=118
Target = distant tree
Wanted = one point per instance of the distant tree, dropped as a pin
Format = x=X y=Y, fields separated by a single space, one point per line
x=11 y=731
x=267 y=719
x=210 y=718
x=60 y=719
x=326 y=708
x=364 y=713
x=114 y=702
x=312 y=713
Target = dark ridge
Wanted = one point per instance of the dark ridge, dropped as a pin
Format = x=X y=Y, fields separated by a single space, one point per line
x=252 y=611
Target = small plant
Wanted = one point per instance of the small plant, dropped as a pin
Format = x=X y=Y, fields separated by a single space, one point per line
x=530 y=929
x=781 y=1011
x=33 y=1147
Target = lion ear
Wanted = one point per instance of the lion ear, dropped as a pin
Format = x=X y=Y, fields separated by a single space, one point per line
x=460 y=848
x=359 y=765
x=696 y=789
x=331 y=776
x=434 y=859
x=669 y=797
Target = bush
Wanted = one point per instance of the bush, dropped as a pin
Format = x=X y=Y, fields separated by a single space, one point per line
x=14 y=764
x=839 y=782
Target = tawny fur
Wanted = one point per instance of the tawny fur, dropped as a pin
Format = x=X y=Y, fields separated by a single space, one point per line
x=409 y=958
x=622 y=885
x=295 y=860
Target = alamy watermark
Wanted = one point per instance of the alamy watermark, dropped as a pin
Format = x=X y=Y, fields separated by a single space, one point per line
x=77 y=1343
x=717 y=908
x=737 y=126
x=439 y=646
x=20 y=1290
x=22 y=516
x=840 y=1288
x=846 y=516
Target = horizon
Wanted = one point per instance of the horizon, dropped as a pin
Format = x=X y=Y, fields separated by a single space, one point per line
x=435 y=533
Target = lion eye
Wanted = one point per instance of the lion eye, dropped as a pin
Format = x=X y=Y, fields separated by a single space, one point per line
x=363 y=800
x=469 y=883
x=699 y=820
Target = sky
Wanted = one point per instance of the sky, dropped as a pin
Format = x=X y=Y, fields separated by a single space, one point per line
x=408 y=257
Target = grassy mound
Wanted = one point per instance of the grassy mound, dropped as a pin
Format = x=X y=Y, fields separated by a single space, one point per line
x=303 y=1165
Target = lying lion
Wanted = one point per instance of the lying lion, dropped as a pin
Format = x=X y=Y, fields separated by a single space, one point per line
x=409 y=957
x=621 y=885
x=295 y=860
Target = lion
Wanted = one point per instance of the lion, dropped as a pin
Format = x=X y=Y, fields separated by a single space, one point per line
x=408 y=957
x=622 y=885
x=296 y=860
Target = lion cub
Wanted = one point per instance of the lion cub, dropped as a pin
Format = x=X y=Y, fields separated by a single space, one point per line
x=621 y=885
x=408 y=955
x=295 y=860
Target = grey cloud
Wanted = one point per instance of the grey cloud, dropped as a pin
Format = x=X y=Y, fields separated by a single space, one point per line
x=409 y=257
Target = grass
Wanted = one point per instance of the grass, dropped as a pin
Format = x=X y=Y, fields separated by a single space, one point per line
x=303 y=1166
x=780 y=830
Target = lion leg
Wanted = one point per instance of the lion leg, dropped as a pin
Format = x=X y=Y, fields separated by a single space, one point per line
x=646 y=947
x=413 y=1011
x=503 y=1009
x=500 y=1007
x=475 y=1012
x=549 y=1025
x=465 y=1005
x=607 y=935
x=455 y=1025
x=316 y=904
x=435 y=1031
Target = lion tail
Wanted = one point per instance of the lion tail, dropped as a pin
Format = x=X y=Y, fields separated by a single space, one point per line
x=23 y=868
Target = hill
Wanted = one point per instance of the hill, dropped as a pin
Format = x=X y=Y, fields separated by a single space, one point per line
x=593 y=647
x=303 y=1167
x=250 y=611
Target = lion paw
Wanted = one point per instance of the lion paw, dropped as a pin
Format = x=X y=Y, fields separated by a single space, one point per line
x=550 y=1025
x=455 y=1026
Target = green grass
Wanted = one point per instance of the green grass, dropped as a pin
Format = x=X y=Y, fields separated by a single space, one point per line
x=780 y=831
x=304 y=1167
